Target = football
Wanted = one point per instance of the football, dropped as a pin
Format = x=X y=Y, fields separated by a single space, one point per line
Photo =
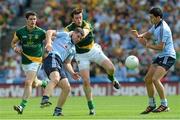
x=132 y=62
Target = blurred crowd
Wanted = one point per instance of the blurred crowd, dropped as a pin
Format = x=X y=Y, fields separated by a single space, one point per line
x=9 y=11
x=112 y=21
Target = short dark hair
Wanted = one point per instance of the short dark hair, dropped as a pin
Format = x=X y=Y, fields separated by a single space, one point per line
x=156 y=11
x=79 y=30
x=76 y=11
x=29 y=13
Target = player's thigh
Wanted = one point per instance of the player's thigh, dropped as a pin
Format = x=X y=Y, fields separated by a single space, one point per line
x=98 y=56
x=149 y=74
x=31 y=75
x=159 y=73
x=31 y=70
x=163 y=65
x=55 y=76
x=83 y=61
x=31 y=67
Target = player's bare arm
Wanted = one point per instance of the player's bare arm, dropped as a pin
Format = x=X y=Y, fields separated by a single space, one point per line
x=68 y=66
x=145 y=34
x=50 y=35
x=14 y=43
x=147 y=44
x=158 y=47
x=141 y=39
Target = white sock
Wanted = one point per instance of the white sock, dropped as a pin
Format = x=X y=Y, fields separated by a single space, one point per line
x=152 y=102
x=164 y=102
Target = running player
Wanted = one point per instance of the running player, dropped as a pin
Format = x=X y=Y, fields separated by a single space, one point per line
x=30 y=37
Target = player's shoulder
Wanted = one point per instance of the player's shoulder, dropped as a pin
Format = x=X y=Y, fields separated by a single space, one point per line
x=85 y=22
x=62 y=33
x=165 y=25
x=87 y=25
x=40 y=29
x=21 y=29
x=70 y=26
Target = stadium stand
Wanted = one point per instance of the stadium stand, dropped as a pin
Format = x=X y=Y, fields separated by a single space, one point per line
x=112 y=21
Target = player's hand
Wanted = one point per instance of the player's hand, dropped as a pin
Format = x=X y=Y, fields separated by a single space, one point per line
x=18 y=50
x=76 y=76
x=48 y=47
x=136 y=34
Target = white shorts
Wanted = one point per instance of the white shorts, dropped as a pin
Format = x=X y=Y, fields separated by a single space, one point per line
x=31 y=67
x=94 y=55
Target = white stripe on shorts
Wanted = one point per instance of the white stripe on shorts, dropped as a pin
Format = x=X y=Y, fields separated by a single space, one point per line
x=165 y=59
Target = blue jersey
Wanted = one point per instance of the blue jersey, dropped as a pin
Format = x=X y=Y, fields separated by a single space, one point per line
x=63 y=46
x=162 y=32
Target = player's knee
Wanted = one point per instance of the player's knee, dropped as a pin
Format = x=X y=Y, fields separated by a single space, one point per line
x=86 y=83
x=153 y=79
x=148 y=80
x=55 y=81
x=34 y=84
x=66 y=89
x=28 y=83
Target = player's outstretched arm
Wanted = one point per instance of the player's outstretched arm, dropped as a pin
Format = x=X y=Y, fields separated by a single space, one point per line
x=143 y=35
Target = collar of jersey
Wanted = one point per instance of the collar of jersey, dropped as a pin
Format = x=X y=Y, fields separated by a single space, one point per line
x=160 y=22
x=32 y=29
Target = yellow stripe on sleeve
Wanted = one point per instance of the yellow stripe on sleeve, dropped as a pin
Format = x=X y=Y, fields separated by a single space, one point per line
x=87 y=26
x=15 y=36
x=65 y=29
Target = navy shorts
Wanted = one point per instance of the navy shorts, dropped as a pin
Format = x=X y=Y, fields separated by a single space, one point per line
x=54 y=63
x=166 y=62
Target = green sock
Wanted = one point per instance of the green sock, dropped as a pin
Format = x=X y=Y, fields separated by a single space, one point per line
x=90 y=105
x=111 y=77
x=23 y=103
x=44 y=83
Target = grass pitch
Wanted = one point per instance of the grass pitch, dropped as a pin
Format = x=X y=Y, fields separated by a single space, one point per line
x=108 y=107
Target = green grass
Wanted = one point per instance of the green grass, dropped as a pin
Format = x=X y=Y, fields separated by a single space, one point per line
x=109 y=107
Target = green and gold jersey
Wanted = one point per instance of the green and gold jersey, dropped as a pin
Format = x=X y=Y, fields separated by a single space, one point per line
x=32 y=44
x=86 y=43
